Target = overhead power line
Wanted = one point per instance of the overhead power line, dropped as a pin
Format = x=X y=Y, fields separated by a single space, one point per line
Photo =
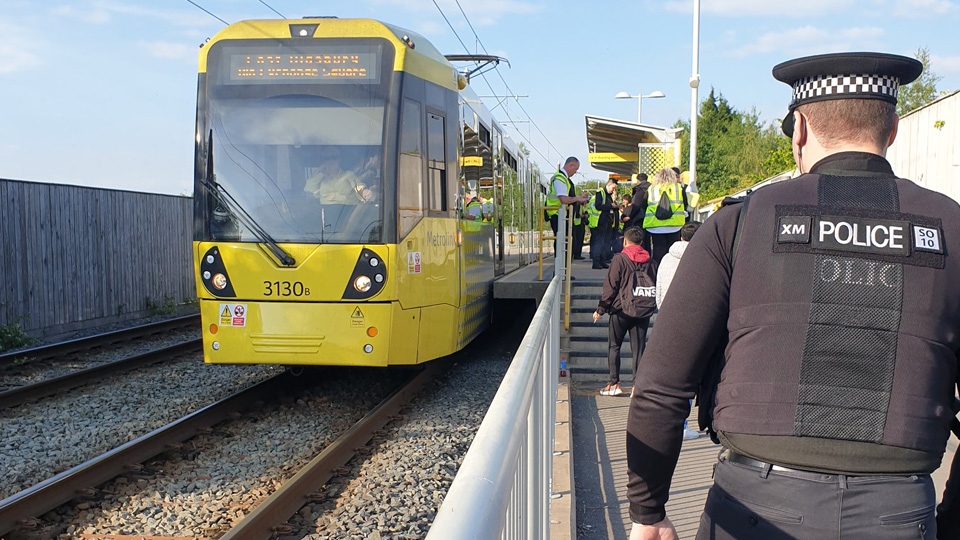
x=512 y=122
x=205 y=10
x=507 y=86
x=271 y=9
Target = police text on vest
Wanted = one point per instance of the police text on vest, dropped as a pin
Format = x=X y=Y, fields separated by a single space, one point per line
x=864 y=235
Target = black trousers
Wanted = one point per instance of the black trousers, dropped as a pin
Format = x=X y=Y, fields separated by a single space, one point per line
x=660 y=244
x=749 y=502
x=599 y=243
x=579 y=233
x=554 y=224
x=618 y=327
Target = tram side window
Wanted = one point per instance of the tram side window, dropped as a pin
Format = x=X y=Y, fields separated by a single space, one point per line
x=436 y=165
x=410 y=170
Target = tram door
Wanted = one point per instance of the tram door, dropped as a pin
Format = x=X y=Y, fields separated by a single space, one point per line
x=497 y=202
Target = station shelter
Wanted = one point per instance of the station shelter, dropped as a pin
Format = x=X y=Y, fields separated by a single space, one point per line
x=627 y=148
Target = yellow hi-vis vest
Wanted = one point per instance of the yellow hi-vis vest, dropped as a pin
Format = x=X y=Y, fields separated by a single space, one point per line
x=675 y=194
x=593 y=218
x=552 y=198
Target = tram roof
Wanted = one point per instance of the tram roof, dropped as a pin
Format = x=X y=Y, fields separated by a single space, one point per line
x=613 y=144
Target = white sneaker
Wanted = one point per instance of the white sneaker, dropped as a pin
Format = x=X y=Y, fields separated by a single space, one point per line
x=611 y=390
x=689 y=434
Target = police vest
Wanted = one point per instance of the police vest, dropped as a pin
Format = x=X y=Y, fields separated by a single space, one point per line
x=675 y=194
x=593 y=218
x=843 y=316
x=552 y=198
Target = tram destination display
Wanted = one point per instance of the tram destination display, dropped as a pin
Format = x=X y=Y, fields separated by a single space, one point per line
x=274 y=65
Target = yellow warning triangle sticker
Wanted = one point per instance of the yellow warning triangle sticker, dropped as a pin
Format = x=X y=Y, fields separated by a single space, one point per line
x=226 y=312
x=357 y=314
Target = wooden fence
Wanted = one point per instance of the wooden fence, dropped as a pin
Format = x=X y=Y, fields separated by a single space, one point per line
x=76 y=257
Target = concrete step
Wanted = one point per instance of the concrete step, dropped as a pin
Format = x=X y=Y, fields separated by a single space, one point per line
x=588 y=354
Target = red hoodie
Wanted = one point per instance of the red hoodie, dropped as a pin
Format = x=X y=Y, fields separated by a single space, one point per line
x=620 y=269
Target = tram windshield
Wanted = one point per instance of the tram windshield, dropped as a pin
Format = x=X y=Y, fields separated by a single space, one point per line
x=303 y=158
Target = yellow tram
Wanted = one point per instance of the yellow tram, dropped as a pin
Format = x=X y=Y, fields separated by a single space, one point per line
x=336 y=164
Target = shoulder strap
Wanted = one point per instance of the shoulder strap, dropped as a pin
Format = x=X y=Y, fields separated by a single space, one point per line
x=740 y=220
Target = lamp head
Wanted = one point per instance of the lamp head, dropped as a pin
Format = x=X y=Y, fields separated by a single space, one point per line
x=622 y=95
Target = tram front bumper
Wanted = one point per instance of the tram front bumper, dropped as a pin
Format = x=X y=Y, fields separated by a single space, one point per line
x=294 y=333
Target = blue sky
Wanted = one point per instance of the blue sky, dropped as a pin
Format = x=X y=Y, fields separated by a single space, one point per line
x=102 y=92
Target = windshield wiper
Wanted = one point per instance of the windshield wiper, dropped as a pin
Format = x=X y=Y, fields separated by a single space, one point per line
x=231 y=204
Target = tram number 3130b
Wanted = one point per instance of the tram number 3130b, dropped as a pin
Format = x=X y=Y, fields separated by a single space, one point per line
x=284 y=288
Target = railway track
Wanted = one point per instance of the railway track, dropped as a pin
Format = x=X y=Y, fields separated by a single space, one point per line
x=18 y=390
x=19 y=511
x=285 y=466
x=270 y=517
x=14 y=359
x=30 y=392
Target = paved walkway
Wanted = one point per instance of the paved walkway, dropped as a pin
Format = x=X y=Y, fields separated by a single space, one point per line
x=599 y=449
x=600 y=465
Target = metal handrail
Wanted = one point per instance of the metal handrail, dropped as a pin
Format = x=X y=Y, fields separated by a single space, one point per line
x=563 y=257
x=567 y=277
x=502 y=490
x=541 y=239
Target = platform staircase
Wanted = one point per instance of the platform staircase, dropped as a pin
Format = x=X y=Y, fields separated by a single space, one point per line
x=586 y=341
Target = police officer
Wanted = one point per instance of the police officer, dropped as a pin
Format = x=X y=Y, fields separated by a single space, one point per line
x=832 y=309
x=561 y=192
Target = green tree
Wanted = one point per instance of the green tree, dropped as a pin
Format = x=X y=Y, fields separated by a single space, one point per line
x=734 y=149
x=921 y=91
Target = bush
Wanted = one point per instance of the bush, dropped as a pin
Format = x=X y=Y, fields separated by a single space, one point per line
x=166 y=306
x=12 y=336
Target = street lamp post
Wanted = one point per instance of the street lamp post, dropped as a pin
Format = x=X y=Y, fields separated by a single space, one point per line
x=624 y=95
x=694 y=98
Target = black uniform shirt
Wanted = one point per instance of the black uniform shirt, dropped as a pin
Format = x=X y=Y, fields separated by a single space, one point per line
x=692 y=328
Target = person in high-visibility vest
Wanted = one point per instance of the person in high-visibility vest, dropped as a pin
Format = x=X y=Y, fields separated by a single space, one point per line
x=473 y=209
x=664 y=232
x=601 y=210
x=562 y=192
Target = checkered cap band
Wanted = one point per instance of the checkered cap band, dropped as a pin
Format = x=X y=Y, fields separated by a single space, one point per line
x=808 y=88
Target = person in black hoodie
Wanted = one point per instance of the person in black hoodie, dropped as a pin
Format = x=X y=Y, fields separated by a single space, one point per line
x=621 y=269
x=638 y=208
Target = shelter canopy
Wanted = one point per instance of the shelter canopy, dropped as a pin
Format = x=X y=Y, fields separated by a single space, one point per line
x=614 y=144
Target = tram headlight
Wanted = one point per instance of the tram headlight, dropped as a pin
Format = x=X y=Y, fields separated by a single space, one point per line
x=368 y=278
x=214 y=275
x=362 y=284
x=219 y=281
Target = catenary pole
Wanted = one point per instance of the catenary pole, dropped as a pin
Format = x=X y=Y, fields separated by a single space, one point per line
x=694 y=95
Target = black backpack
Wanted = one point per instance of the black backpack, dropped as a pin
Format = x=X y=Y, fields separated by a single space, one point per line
x=638 y=292
x=664 y=211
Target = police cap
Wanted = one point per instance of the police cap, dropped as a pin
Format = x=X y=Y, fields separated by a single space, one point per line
x=861 y=75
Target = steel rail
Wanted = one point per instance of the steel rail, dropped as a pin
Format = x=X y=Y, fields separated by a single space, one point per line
x=262 y=523
x=49 y=387
x=53 y=492
x=63 y=348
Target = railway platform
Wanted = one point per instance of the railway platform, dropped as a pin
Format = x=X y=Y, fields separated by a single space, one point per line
x=590 y=464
